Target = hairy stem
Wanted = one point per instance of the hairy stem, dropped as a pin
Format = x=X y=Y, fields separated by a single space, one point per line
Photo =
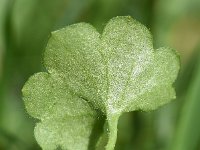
x=112 y=122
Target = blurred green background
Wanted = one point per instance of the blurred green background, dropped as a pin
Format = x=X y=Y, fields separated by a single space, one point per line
x=25 y=26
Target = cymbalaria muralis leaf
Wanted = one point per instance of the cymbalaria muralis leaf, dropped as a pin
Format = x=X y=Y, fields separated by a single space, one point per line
x=90 y=75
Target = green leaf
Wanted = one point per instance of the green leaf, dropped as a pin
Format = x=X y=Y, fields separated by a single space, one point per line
x=65 y=117
x=91 y=74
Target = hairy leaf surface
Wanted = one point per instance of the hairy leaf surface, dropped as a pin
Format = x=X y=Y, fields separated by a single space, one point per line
x=91 y=74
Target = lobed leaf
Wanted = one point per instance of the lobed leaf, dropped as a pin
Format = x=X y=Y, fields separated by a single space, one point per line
x=90 y=75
